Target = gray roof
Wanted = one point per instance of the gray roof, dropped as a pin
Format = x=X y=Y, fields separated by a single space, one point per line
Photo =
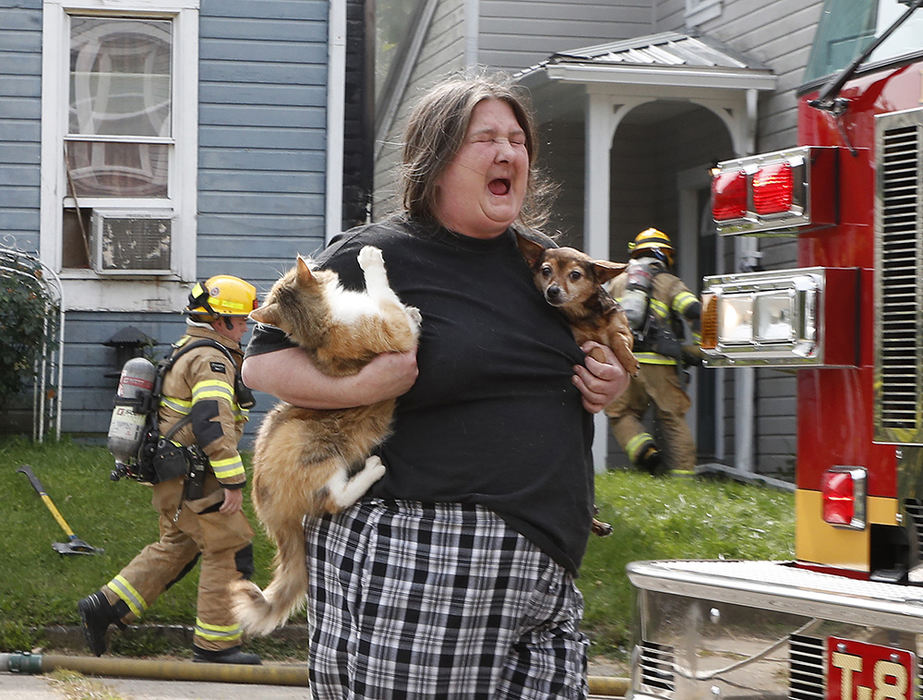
x=668 y=50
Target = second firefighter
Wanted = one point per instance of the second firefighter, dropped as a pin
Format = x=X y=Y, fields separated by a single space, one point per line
x=658 y=305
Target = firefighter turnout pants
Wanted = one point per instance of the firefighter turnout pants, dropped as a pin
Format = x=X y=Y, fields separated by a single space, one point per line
x=225 y=545
x=660 y=386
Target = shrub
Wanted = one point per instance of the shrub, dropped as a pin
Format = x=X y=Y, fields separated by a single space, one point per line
x=26 y=322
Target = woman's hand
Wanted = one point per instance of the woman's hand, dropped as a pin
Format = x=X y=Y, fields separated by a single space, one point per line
x=290 y=375
x=600 y=383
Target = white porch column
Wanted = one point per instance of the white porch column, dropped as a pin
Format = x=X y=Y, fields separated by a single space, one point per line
x=599 y=130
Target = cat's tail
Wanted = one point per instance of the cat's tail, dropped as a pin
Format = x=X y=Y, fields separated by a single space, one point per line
x=260 y=612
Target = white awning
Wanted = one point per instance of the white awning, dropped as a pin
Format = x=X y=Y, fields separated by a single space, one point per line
x=669 y=58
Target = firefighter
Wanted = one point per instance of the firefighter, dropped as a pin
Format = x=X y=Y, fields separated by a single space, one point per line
x=657 y=304
x=203 y=407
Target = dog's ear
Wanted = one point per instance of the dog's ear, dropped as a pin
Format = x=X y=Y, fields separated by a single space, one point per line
x=530 y=250
x=268 y=314
x=606 y=270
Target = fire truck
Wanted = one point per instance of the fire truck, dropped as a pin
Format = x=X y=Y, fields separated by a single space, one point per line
x=844 y=619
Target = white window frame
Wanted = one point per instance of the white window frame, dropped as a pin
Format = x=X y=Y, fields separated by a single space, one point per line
x=85 y=289
x=699 y=11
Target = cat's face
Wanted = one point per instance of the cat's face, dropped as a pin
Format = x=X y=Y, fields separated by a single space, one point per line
x=297 y=303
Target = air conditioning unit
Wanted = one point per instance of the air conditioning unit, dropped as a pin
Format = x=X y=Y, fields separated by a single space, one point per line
x=126 y=242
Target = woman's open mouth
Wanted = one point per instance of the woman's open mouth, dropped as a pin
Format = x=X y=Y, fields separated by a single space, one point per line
x=500 y=186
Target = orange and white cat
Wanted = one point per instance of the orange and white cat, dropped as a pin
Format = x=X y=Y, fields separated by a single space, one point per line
x=310 y=461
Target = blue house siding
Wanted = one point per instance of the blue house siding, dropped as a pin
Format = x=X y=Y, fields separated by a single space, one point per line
x=86 y=398
x=262 y=135
x=20 y=115
x=20 y=146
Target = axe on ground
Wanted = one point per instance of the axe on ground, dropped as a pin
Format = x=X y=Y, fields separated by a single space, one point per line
x=74 y=544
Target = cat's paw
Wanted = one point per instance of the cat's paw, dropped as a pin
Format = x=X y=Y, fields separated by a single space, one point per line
x=374 y=468
x=370 y=257
x=413 y=313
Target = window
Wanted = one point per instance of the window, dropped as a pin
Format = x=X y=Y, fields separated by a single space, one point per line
x=699 y=11
x=848 y=27
x=119 y=122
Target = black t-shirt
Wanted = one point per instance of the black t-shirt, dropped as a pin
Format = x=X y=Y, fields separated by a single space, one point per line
x=493 y=417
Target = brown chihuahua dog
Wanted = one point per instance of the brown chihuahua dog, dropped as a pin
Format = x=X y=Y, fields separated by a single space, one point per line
x=571 y=281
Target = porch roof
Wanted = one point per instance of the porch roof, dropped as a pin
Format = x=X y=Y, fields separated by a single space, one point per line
x=668 y=58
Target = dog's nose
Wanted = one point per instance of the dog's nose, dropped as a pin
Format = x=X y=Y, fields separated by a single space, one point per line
x=553 y=292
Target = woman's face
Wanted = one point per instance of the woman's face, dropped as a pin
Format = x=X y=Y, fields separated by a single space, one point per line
x=482 y=190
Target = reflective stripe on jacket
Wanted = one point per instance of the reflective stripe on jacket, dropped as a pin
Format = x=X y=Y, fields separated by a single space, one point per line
x=201 y=385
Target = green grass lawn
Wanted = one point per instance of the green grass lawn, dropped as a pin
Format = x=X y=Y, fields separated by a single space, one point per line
x=652 y=519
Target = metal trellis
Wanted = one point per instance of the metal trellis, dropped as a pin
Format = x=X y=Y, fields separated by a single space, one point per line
x=49 y=364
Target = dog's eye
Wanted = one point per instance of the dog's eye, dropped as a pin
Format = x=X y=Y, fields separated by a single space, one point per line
x=575 y=275
x=546 y=270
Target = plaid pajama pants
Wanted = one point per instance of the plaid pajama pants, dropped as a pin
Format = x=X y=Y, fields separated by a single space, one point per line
x=408 y=600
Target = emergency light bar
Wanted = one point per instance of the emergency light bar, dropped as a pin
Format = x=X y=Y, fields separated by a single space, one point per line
x=787 y=191
x=785 y=318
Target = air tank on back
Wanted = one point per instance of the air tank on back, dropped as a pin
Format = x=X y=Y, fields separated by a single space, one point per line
x=129 y=416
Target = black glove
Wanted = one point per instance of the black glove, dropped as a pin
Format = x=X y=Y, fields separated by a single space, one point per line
x=693 y=355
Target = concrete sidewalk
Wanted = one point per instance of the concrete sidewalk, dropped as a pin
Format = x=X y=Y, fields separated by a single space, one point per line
x=16 y=686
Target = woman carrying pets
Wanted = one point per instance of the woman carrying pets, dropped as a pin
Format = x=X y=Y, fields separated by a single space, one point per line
x=453 y=576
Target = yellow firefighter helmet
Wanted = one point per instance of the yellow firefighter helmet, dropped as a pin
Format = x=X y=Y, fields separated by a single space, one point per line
x=221 y=295
x=652 y=243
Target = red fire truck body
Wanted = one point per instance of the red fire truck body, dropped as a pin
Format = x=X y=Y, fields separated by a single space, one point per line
x=844 y=620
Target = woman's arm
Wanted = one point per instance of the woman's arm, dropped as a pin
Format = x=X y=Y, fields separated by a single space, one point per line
x=290 y=375
x=599 y=382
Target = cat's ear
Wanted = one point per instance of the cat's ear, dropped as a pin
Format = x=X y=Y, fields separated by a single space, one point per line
x=303 y=273
x=268 y=314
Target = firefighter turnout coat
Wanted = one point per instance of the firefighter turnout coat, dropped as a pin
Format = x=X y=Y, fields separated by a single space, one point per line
x=200 y=385
x=658 y=381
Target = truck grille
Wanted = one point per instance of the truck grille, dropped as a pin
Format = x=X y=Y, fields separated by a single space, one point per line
x=899 y=266
x=657 y=669
x=806 y=668
x=914 y=510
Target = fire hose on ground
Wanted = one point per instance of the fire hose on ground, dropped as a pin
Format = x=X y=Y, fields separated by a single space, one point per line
x=266 y=674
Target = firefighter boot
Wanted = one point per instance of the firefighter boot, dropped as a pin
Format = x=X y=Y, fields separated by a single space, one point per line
x=652 y=462
x=96 y=614
x=225 y=656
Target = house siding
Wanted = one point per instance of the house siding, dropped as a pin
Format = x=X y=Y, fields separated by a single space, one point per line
x=779 y=34
x=86 y=398
x=20 y=149
x=515 y=34
x=20 y=117
x=262 y=135
x=670 y=15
